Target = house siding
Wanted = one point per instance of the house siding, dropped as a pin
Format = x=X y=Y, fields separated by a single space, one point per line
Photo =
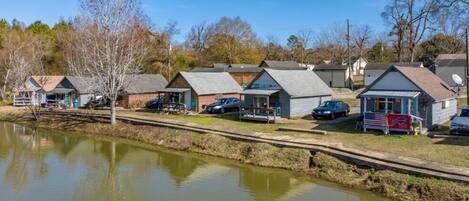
x=440 y=115
x=209 y=99
x=137 y=100
x=304 y=106
x=243 y=78
x=333 y=78
x=394 y=81
x=84 y=99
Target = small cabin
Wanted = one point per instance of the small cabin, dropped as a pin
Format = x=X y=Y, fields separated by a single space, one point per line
x=283 y=93
x=406 y=96
x=195 y=90
x=140 y=89
x=42 y=90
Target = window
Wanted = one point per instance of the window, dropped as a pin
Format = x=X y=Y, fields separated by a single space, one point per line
x=444 y=104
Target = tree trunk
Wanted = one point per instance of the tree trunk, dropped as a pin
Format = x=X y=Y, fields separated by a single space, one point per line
x=113 y=112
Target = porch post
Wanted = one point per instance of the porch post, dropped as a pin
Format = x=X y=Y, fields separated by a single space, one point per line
x=385 y=105
x=268 y=107
x=409 y=105
x=364 y=104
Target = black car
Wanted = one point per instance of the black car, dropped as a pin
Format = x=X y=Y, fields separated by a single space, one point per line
x=156 y=103
x=331 y=109
x=98 y=103
x=223 y=105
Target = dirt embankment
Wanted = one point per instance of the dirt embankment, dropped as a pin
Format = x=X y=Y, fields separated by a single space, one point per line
x=390 y=184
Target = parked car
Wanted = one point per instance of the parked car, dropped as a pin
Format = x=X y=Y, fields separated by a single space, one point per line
x=460 y=124
x=98 y=103
x=223 y=105
x=156 y=103
x=331 y=109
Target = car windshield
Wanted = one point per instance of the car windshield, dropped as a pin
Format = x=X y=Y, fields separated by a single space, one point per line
x=223 y=101
x=329 y=104
x=464 y=113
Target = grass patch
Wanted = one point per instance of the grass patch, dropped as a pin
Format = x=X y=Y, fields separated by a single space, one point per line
x=350 y=101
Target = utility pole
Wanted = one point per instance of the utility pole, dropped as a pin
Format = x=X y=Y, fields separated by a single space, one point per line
x=467 y=65
x=169 y=60
x=349 y=56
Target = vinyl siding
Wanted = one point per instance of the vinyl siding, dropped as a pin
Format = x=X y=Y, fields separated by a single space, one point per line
x=333 y=78
x=394 y=81
x=304 y=106
x=371 y=75
x=440 y=115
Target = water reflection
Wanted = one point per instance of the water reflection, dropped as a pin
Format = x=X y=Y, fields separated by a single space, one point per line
x=51 y=165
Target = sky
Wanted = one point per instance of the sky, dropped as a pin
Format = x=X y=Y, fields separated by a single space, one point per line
x=269 y=18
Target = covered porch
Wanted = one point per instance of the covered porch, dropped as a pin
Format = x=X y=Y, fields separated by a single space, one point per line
x=176 y=100
x=392 y=111
x=60 y=97
x=260 y=105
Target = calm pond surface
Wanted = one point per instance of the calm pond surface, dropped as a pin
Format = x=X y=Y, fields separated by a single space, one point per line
x=47 y=165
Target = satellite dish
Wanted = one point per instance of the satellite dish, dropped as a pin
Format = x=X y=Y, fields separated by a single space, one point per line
x=457 y=79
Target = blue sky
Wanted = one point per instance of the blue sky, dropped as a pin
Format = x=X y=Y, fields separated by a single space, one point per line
x=278 y=18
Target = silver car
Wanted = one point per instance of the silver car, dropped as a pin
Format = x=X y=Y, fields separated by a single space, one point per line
x=460 y=124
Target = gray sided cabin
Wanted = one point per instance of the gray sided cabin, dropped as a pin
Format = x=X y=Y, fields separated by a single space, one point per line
x=372 y=71
x=413 y=93
x=195 y=90
x=334 y=75
x=448 y=64
x=82 y=92
x=283 y=93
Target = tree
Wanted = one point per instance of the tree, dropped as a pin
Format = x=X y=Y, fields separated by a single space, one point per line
x=440 y=44
x=360 y=38
x=379 y=53
x=106 y=46
x=333 y=39
x=21 y=57
x=229 y=40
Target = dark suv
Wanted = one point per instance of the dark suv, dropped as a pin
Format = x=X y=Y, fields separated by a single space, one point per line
x=223 y=105
x=331 y=109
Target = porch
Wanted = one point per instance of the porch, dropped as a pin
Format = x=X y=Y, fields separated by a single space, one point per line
x=392 y=111
x=176 y=100
x=260 y=105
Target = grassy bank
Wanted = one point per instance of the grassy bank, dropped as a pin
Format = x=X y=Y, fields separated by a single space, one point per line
x=391 y=184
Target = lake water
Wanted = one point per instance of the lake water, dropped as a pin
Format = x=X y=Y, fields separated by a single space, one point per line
x=47 y=165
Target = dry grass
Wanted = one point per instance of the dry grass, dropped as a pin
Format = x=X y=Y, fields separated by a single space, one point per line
x=447 y=151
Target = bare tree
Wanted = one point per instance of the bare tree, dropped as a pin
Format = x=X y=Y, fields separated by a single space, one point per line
x=22 y=56
x=106 y=46
x=334 y=39
x=361 y=37
x=306 y=38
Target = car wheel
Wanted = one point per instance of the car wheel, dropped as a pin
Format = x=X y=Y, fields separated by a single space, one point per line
x=332 y=115
x=315 y=117
x=222 y=111
x=345 y=113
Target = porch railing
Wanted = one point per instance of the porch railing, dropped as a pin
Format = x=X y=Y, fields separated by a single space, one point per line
x=257 y=113
x=21 y=101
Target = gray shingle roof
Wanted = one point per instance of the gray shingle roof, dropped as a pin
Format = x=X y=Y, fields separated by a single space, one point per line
x=82 y=84
x=330 y=67
x=145 y=83
x=443 y=60
x=204 y=83
x=281 y=64
x=384 y=66
x=243 y=65
x=300 y=83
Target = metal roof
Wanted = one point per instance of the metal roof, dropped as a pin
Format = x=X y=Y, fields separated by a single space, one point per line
x=204 y=83
x=229 y=69
x=264 y=92
x=406 y=94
